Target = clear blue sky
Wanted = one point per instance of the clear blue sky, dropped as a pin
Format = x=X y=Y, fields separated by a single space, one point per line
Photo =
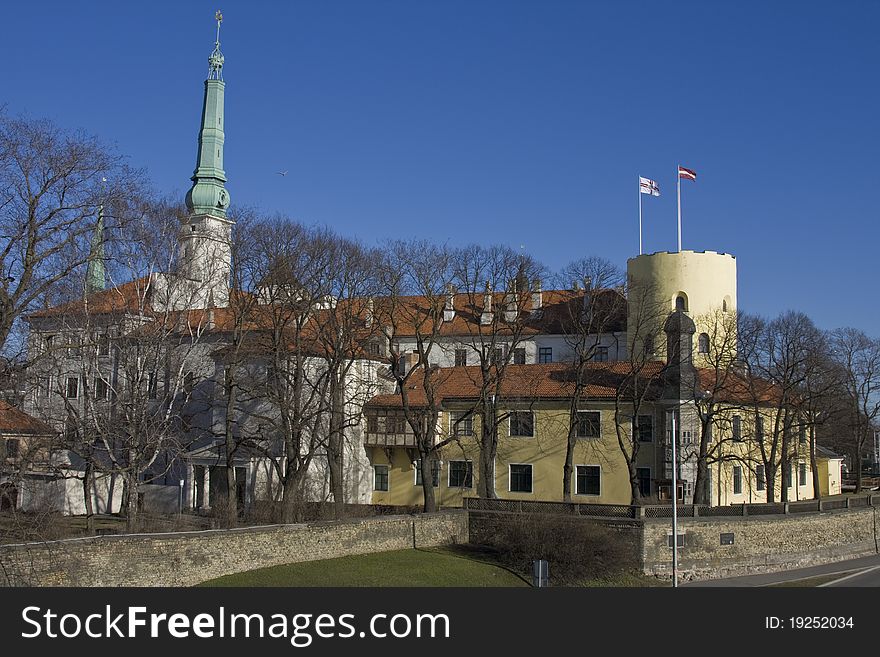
x=500 y=121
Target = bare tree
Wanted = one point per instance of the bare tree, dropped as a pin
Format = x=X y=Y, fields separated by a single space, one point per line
x=497 y=282
x=858 y=359
x=52 y=184
x=584 y=323
x=417 y=303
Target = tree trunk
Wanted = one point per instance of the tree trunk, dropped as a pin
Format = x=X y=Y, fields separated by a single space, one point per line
x=87 y=499
x=817 y=494
x=430 y=504
x=335 y=445
x=131 y=508
x=291 y=495
x=568 y=467
x=488 y=448
x=231 y=514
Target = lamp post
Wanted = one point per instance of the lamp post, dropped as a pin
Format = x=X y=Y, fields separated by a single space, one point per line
x=674 y=502
x=676 y=409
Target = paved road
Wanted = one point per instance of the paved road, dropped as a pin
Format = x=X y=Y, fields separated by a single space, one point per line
x=869 y=575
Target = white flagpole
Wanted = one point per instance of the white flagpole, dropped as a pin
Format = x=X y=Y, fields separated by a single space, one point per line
x=640 y=216
x=678 y=174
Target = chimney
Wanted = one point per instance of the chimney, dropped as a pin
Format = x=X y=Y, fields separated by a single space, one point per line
x=487 y=315
x=511 y=303
x=587 y=310
x=449 y=307
x=537 y=297
x=368 y=320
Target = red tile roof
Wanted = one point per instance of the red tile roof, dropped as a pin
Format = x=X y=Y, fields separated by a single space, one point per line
x=536 y=381
x=15 y=421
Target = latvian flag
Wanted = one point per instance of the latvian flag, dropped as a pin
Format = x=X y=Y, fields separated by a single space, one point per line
x=687 y=173
x=648 y=187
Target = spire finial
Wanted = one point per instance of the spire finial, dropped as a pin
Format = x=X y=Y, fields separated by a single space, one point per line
x=215 y=61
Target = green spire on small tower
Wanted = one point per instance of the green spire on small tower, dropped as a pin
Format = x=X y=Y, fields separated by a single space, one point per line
x=95 y=275
x=208 y=194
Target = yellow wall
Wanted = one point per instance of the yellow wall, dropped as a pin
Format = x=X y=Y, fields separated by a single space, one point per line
x=706 y=278
x=829 y=476
x=545 y=452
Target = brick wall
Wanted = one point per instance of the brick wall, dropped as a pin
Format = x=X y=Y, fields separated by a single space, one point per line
x=760 y=543
x=187 y=558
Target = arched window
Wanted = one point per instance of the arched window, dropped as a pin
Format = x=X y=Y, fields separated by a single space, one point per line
x=649 y=344
x=703 y=343
x=681 y=302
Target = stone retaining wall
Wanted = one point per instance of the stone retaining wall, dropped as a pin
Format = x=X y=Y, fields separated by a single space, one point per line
x=187 y=558
x=759 y=543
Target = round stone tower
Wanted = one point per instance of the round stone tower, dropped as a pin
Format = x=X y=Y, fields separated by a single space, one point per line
x=700 y=283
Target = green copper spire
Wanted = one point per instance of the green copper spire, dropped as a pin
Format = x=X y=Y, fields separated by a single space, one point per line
x=95 y=277
x=208 y=194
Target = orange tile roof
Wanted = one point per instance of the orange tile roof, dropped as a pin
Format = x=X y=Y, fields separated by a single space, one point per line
x=131 y=297
x=15 y=421
x=536 y=381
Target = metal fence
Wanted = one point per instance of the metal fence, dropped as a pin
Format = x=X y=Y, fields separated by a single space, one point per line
x=665 y=510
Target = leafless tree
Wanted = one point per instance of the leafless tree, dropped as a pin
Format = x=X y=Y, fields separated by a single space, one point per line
x=497 y=282
x=858 y=359
x=417 y=301
x=585 y=323
x=52 y=184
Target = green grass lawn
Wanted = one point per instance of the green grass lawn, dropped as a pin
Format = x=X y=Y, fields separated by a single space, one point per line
x=397 y=568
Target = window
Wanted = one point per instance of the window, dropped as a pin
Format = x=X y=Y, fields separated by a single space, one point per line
x=520 y=478
x=759 y=428
x=737 y=428
x=462 y=424
x=72 y=387
x=372 y=424
x=519 y=356
x=73 y=346
x=435 y=473
x=645 y=428
x=395 y=424
x=681 y=302
x=12 y=448
x=545 y=355
x=461 y=474
x=687 y=437
x=802 y=434
x=760 y=481
x=703 y=343
x=45 y=386
x=103 y=344
x=373 y=348
x=786 y=475
x=601 y=354
x=587 y=479
x=49 y=342
x=498 y=356
x=380 y=477
x=644 y=478
x=737 y=480
x=649 y=344
x=802 y=474
x=152 y=385
x=101 y=388
x=588 y=424
x=461 y=357
x=522 y=424
x=189 y=382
